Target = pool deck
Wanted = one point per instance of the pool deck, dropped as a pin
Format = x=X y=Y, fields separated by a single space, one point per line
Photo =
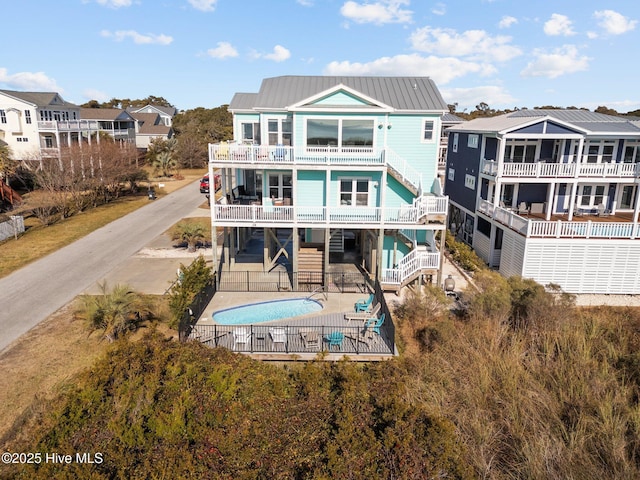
x=358 y=344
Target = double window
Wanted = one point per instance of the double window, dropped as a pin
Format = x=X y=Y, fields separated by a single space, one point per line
x=250 y=132
x=339 y=132
x=600 y=151
x=631 y=152
x=521 y=151
x=427 y=131
x=280 y=185
x=592 y=195
x=279 y=131
x=354 y=192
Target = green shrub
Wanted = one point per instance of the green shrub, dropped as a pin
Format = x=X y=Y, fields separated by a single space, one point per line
x=194 y=279
x=463 y=254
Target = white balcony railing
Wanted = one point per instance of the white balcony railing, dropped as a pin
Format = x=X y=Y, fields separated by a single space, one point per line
x=559 y=228
x=560 y=170
x=261 y=214
x=69 y=125
x=230 y=153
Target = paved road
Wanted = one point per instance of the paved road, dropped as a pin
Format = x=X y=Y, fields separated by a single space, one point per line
x=34 y=292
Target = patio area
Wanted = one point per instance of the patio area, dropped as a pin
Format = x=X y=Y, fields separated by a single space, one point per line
x=304 y=337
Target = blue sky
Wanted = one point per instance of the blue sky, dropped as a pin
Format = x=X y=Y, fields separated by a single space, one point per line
x=198 y=53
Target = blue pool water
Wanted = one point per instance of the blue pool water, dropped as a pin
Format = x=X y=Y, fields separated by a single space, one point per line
x=266 y=311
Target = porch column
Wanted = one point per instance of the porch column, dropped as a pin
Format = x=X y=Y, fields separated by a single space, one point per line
x=379 y=254
x=327 y=239
x=232 y=246
x=225 y=248
x=572 y=200
x=267 y=248
x=636 y=208
x=492 y=242
x=294 y=260
x=214 y=246
x=550 y=194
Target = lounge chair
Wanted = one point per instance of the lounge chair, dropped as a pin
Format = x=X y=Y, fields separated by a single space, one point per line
x=374 y=324
x=522 y=208
x=364 y=304
x=278 y=335
x=334 y=339
x=241 y=336
x=310 y=338
x=363 y=315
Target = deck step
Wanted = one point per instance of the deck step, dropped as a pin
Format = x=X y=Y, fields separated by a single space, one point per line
x=310 y=260
x=336 y=241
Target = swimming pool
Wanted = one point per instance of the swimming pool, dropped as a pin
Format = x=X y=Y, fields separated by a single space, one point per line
x=266 y=311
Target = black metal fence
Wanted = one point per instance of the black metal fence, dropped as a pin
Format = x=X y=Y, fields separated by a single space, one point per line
x=283 y=281
x=195 y=311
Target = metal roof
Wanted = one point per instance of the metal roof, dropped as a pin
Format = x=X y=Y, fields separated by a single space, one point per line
x=401 y=93
x=581 y=119
x=40 y=99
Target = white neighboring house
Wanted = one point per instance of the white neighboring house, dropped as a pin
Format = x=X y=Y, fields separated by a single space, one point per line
x=36 y=125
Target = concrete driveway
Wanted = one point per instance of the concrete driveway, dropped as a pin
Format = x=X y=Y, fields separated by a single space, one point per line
x=34 y=292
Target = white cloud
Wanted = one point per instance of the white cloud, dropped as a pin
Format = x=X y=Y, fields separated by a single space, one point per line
x=507 y=21
x=222 y=51
x=91 y=94
x=441 y=70
x=279 y=54
x=138 y=38
x=115 y=3
x=305 y=3
x=34 y=81
x=558 y=25
x=204 y=5
x=560 y=62
x=614 y=23
x=439 y=9
x=379 y=13
x=468 y=98
x=475 y=44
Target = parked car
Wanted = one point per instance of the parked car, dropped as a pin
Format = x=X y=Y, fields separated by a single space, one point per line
x=204 y=183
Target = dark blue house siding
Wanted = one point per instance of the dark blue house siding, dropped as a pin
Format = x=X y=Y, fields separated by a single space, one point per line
x=466 y=161
x=555 y=128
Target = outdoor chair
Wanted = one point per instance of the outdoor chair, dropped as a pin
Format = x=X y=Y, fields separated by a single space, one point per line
x=310 y=338
x=278 y=335
x=364 y=305
x=363 y=315
x=334 y=339
x=522 y=208
x=223 y=151
x=374 y=324
x=241 y=336
x=602 y=211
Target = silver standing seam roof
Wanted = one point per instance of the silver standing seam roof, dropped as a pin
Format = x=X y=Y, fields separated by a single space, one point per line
x=401 y=93
x=40 y=99
x=592 y=122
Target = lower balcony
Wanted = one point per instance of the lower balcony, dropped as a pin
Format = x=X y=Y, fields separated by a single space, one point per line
x=588 y=224
x=542 y=169
x=363 y=217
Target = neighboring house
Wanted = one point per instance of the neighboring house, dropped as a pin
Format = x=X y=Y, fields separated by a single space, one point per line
x=550 y=195
x=336 y=162
x=150 y=126
x=448 y=120
x=36 y=125
x=166 y=113
x=113 y=121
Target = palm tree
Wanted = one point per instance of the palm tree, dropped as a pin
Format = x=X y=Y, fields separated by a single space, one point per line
x=115 y=312
x=191 y=233
x=164 y=162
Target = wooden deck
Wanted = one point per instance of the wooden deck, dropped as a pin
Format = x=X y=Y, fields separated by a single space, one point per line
x=302 y=339
x=583 y=217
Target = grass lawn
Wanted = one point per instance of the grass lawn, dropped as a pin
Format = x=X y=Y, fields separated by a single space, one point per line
x=38 y=364
x=39 y=240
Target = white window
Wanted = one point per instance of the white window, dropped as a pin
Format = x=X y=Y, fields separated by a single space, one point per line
x=3 y=117
x=599 y=151
x=631 y=152
x=470 y=181
x=250 y=133
x=520 y=151
x=427 y=131
x=590 y=196
x=451 y=175
x=279 y=131
x=27 y=116
x=354 y=192
x=455 y=142
x=333 y=132
x=472 y=141
x=280 y=185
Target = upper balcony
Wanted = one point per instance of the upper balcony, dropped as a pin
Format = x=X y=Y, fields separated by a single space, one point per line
x=599 y=228
x=544 y=170
x=68 y=125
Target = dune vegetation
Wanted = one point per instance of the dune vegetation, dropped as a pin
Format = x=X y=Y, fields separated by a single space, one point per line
x=519 y=383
